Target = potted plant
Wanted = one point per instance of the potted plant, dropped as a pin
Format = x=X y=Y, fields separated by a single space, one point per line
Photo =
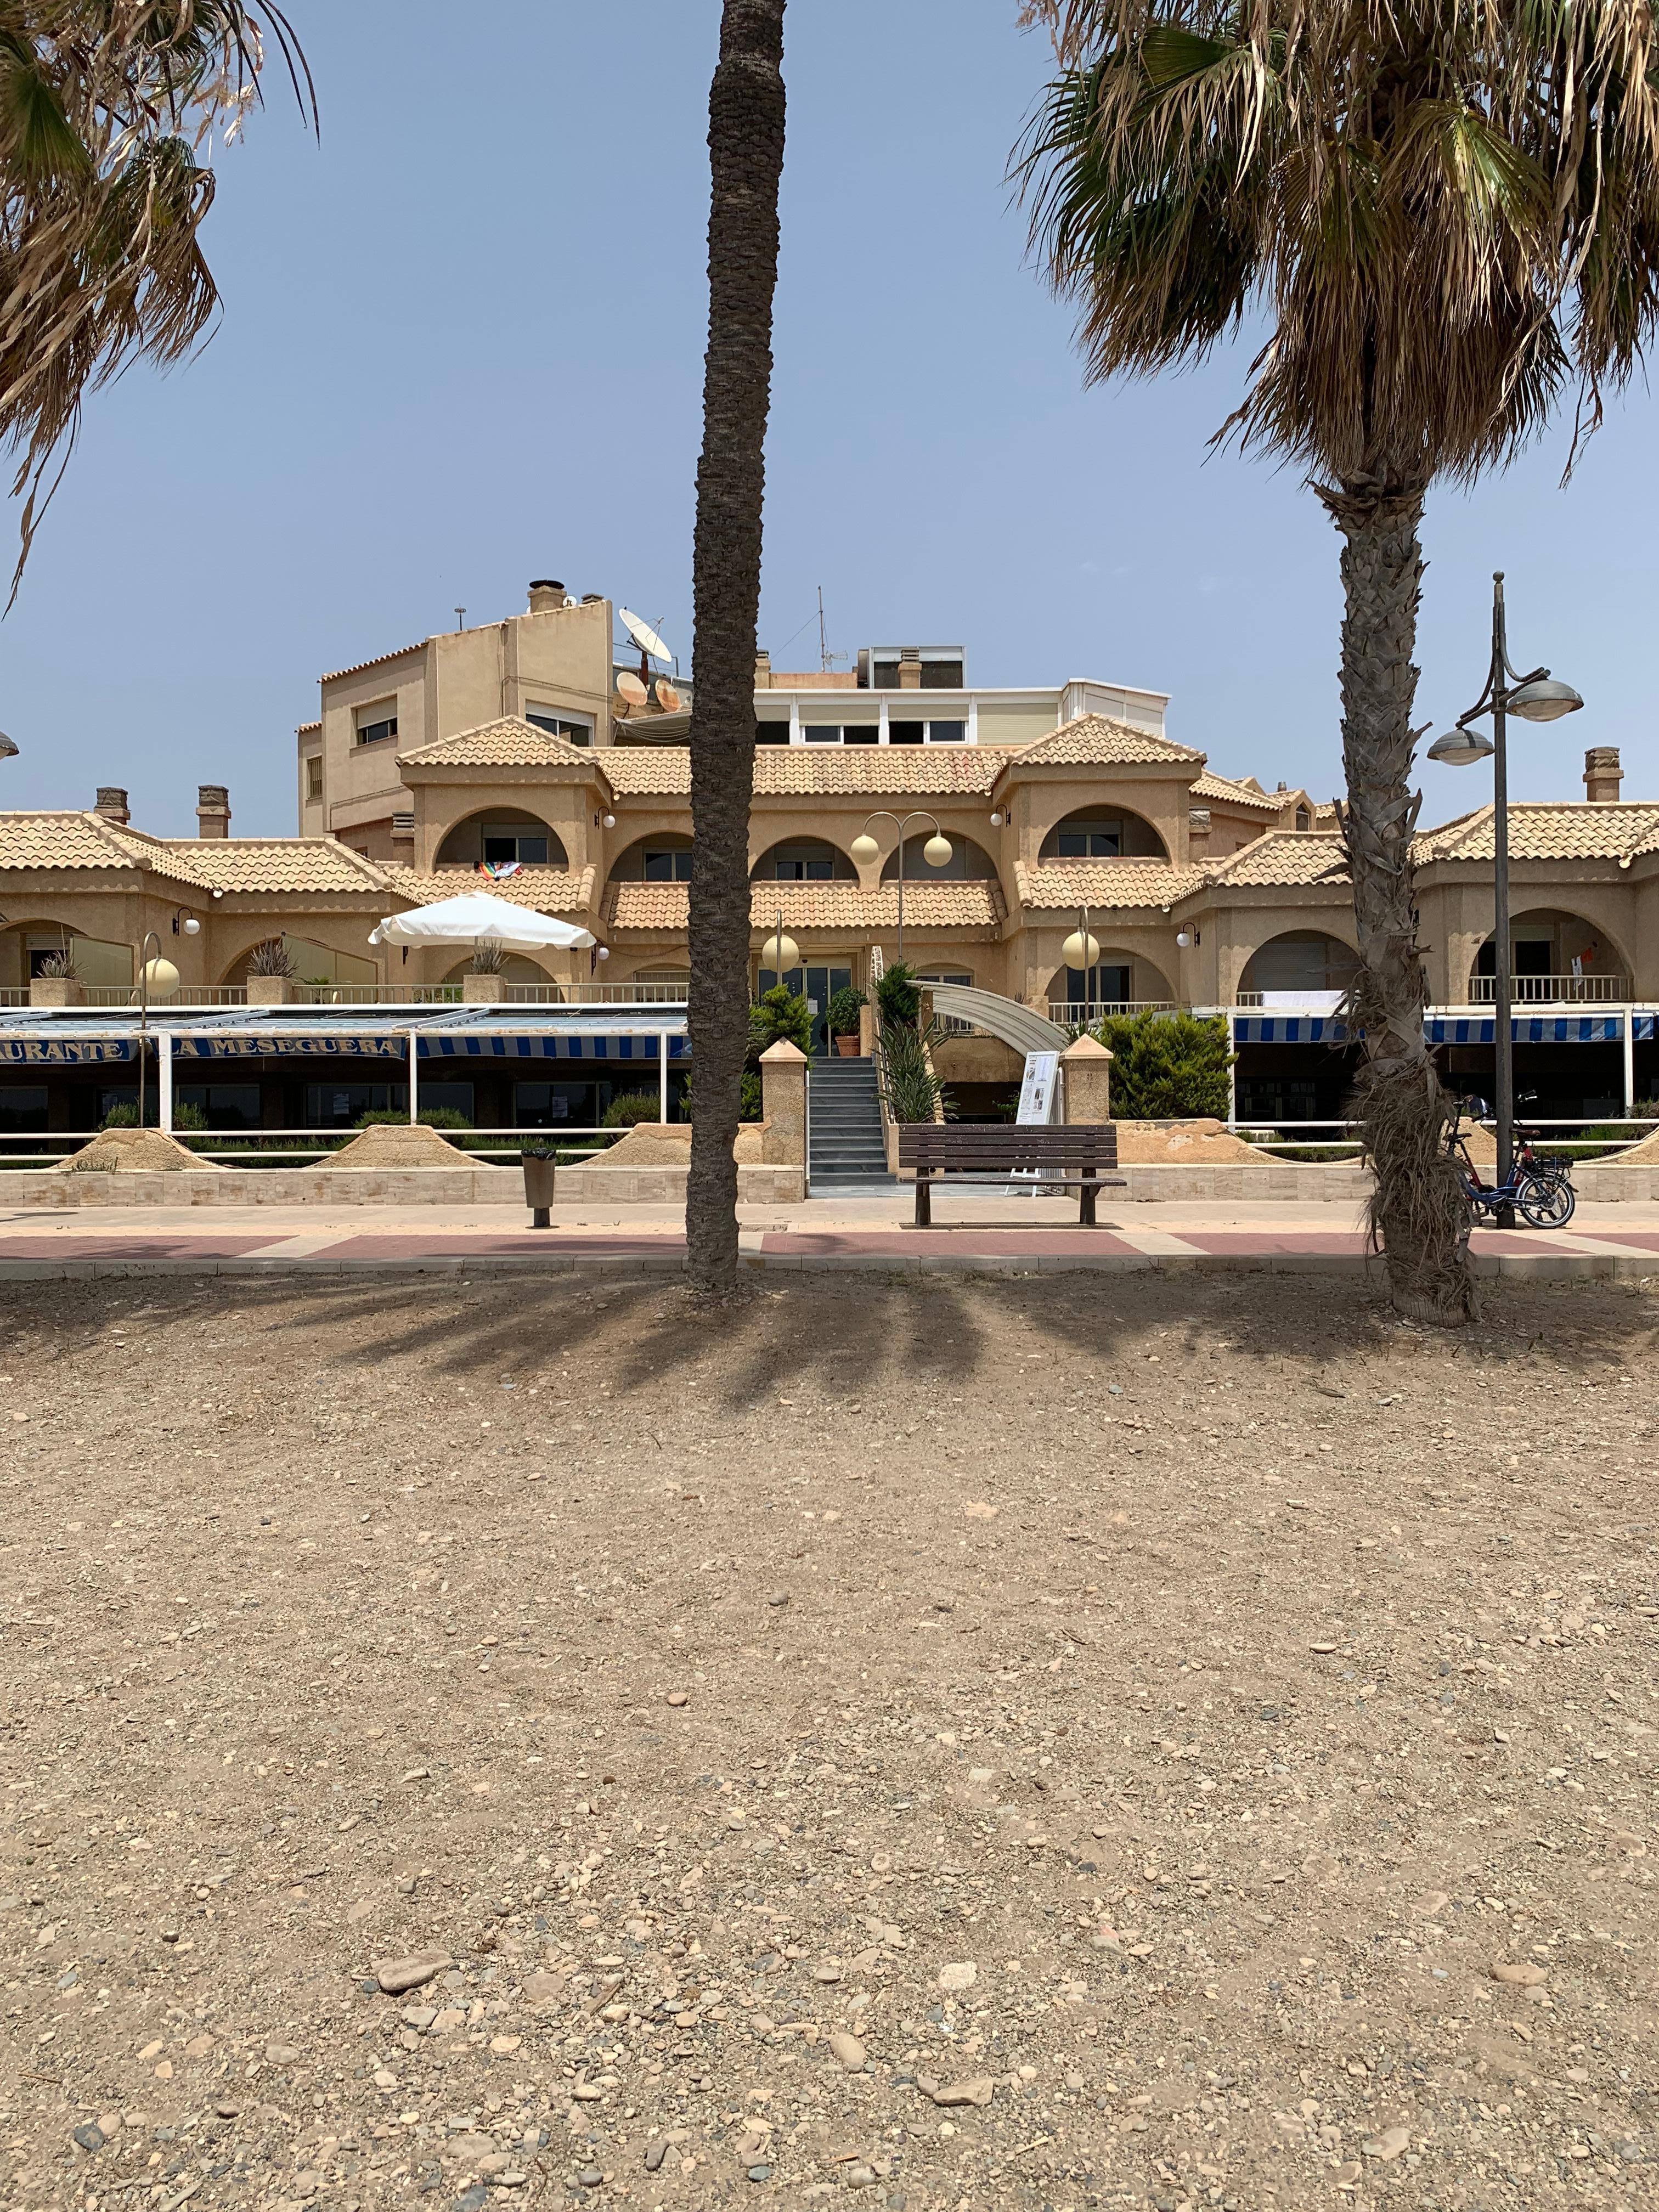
x=272 y=973
x=59 y=983
x=540 y=1159
x=484 y=984
x=845 y=1008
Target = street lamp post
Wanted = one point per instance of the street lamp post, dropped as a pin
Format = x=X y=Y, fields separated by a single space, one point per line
x=936 y=852
x=1538 y=697
x=153 y=970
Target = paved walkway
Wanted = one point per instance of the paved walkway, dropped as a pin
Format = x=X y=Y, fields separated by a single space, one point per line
x=983 y=1232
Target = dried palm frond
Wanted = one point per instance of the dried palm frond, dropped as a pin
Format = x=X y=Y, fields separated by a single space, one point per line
x=109 y=114
x=488 y=957
x=272 y=958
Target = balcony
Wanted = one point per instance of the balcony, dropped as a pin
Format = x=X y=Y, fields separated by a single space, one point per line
x=1553 y=990
x=1077 y=1014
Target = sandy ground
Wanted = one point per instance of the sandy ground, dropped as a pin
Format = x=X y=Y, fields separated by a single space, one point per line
x=968 y=1743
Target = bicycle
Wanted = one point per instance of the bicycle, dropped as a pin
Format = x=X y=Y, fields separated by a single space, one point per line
x=1541 y=1195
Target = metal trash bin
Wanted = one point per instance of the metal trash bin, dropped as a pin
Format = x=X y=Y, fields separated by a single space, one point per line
x=539 y=1168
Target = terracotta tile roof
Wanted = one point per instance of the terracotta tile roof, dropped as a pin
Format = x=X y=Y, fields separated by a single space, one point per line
x=509 y=743
x=1097 y=741
x=646 y=771
x=52 y=840
x=549 y=890
x=1286 y=858
x=265 y=864
x=813 y=771
x=1220 y=791
x=1065 y=885
x=1579 y=830
x=228 y=864
x=307 y=729
x=971 y=906
x=357 y=667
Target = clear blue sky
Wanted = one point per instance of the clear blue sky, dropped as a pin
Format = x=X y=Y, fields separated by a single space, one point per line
x=462 y=345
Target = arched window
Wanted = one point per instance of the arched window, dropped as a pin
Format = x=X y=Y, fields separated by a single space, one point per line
x=804 y=861
x=968 y=862
x=501 y=835
x=1103 y=833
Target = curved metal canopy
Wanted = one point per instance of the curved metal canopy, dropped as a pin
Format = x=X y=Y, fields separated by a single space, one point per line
x=1006 y=1018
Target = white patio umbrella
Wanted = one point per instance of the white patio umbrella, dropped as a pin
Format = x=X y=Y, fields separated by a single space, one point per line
x=476 y=918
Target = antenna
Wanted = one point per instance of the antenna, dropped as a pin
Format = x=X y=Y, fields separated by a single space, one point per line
x=823 y=637
x=460 y=617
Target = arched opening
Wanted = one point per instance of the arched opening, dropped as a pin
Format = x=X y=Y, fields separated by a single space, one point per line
x=1298 y=961
x=1120 y=982
x=515 y=968
x=1555 y=958
x=502 y=834
x=968 y=862
x=804 y=861
x=313 y=962
x=665 y=858
x=28 y=949
x=1103 y=833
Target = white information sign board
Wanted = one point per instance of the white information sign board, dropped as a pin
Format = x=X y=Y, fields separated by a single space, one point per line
x=1039 y=1092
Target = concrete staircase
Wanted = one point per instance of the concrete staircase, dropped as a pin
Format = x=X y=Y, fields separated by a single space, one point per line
x=846 y=1151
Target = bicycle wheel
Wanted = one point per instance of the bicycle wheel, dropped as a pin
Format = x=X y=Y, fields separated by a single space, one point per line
x=1546 y=1201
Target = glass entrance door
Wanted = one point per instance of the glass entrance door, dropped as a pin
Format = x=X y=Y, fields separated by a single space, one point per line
x=817 y=985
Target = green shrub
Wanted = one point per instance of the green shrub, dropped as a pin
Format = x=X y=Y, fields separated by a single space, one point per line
x=120 y=1117
x=633 y=1108
x=897 y=998
x=908 y=1084
x=434 y=1117
x=1166 y=1067
x=778 y=1018
x=844 y=1010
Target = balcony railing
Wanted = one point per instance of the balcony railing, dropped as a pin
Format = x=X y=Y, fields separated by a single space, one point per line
x=379 y=994
x=1077 y=1014
x=1553 y=990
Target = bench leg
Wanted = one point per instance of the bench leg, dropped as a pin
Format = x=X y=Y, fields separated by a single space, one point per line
x=924 y=1199
x=1086 y=1211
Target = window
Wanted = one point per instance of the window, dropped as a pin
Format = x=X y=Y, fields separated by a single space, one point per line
x=771 y=733
x=378 y=722
x=669 y=867
x=947 y=733
x=314 y=777
x=803 y=868
x=560 y=725
x=1090 y=840
x=822 y=734
x=1303 y=819
x=23 y=1108
x=906 y=734
x=223 y=1105
x=941 y=675
x=506 y=841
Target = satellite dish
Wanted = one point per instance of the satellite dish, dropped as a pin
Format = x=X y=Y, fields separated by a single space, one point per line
x=629 y=687
x=667 y=697
x=644 y=636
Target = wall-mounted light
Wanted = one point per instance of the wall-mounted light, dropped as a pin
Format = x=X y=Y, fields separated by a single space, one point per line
x=1186 y=939
x=998 y=819
x=185 y=923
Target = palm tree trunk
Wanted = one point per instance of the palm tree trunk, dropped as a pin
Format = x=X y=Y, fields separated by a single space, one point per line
x=1417 y=1211
x=745 y=147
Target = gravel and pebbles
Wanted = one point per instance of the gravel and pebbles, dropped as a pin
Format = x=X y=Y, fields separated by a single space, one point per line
x=1051 y=1743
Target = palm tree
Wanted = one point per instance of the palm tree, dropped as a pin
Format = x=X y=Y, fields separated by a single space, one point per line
x=108 y=112
x=1446 y=214
x=745 y=147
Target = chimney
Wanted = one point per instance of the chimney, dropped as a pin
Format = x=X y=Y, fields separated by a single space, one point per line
x=1602 y=774
x=403 y=834
x=763 y=671
x=113 y=804
x=1198 y=831
x=546 y=597
x=909 y=668
x=212 y=811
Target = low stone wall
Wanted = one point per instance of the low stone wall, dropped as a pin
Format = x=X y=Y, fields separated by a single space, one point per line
x=463 y=1185
x=458 y=1186
x=1603 y=1182
x=759 y=1184
x=1306 y=1180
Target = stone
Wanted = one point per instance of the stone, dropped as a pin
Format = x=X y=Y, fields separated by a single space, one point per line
x=541 y=1988
x=762 y=2024
x=504 y=2046
x=977 y=2091
x=396 y=1975
x=1521 y=1976
x=418 y=2016
x=858 y=2175
x=961 y=1975
x=1389 y=2144
x=281 y=2054
x=676 y=1696
x=89 y=2136
x=848 y=2050
x=655 y=2154
x=779 y=1598
x=590 y=2177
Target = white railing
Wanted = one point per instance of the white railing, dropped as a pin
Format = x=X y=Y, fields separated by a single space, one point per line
x=1074 y=1014
x=1553 y=990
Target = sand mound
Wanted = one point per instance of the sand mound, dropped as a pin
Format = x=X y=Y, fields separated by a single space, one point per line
x=1639 y=1156
x=136 y=1151
x=668 y=1145
x=1180 y=1144
x=398 y=1144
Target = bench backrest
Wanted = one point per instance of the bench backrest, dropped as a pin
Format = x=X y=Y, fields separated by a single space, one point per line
x=991 y=1147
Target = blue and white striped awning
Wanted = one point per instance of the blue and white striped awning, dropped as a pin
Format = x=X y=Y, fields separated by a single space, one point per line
x=1526 y=1029
x=1288 y=1028
x=625 y=1044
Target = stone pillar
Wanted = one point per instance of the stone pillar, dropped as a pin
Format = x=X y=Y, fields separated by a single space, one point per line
x=484 y=990
x=271 y=991
x=1087 y=1067
x=867 y=1018
x=783 y=1102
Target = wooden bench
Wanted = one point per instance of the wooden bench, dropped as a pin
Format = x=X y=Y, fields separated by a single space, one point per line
x=1075 y=1158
